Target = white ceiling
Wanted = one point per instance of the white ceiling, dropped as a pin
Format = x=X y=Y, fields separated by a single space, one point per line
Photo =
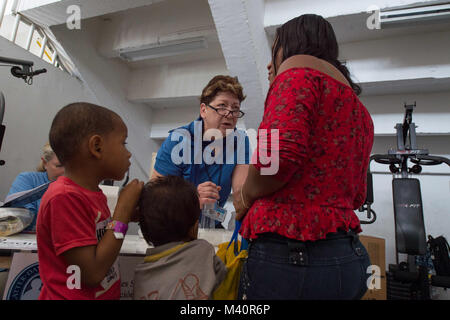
x=54 y=12
x=165 y=20
x=213 y=51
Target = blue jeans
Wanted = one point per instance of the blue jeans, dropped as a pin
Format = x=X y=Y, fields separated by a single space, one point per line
x=280 y=268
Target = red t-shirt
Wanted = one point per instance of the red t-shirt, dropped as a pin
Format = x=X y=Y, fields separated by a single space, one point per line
x=69 y=217
x=325 y=140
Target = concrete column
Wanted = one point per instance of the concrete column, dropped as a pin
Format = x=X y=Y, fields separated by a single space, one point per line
x=240 y=27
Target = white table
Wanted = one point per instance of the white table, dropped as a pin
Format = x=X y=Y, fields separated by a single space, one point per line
x=132 y=245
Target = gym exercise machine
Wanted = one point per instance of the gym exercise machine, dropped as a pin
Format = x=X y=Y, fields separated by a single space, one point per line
x=407 y=280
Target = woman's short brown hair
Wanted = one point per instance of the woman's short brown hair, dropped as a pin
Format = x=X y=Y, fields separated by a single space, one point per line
x=222 y=83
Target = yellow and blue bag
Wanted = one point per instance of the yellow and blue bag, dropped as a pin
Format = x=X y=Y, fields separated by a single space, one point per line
x=233 y=255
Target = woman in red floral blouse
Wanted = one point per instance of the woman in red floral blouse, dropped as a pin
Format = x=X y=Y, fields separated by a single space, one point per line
x=300 y=220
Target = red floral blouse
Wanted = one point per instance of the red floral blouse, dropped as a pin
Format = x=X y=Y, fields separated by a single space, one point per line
x=325 y=140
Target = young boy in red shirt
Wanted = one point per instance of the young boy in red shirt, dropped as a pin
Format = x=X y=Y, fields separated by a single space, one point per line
x=75 y=233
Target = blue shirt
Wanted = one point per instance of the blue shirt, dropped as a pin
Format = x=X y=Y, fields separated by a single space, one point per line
x=26 y=181
x=185 y=154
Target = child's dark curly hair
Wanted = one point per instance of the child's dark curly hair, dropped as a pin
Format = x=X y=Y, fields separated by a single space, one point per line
x=168 y=208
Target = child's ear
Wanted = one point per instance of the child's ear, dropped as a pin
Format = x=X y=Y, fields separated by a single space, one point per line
x=95 y=146
x=194 y=230
x=192 y=233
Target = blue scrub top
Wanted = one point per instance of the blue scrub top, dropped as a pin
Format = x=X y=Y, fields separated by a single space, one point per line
x=190 y=149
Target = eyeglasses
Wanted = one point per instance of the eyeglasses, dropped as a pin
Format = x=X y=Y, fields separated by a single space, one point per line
x=224 y=112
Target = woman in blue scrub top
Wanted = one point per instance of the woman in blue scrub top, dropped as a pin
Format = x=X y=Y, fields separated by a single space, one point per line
x=49 y=169
x=216 y=167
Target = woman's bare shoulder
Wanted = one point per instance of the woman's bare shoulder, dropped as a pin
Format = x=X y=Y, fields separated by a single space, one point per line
x=298 y=61
x=307 y=61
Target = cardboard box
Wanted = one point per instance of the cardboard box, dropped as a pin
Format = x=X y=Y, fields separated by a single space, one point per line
x=376 y=247
x=5 y=262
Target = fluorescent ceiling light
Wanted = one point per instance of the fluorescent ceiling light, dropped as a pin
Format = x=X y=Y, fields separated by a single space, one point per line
x=163 y=49
x=418 y=14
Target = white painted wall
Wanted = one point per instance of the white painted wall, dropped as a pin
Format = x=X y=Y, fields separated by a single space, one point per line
x=173 y=80
x=165 y=119
x=431 y=115
x=411 y=56
x=280 y=11
x=54 y=12
x=30 y=4
x=161 y=22
x=165 y=82
x=30 y=111
x=108 y=80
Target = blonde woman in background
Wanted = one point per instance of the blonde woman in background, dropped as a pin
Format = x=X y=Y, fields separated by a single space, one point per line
x=49 y=169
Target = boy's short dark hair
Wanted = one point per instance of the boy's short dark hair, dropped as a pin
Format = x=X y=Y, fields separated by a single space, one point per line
x=75 y=122
x=168 y=208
